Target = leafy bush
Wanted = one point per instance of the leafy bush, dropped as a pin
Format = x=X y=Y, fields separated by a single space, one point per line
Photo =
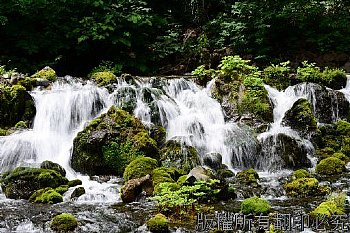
x=278 y=75
x=309 y=72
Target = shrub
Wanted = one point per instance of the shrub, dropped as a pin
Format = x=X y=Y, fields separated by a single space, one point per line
x=309 y=72
x=277 y=75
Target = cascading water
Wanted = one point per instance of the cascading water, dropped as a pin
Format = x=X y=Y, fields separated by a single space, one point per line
x=272 y=144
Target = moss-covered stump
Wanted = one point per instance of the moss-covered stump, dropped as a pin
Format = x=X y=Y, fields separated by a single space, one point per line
x=255 y=205
x=110 y=142
x=139 y=168
x=248 y=177
x=46 y=73
x=173 y=154
x=78 y=192
x=22 y=182
x=46 y=196
x=305 y=187
x=53 y=166
x=16 y=105
x=300 y=117
x=104 y=78
x=158 y=224
x=330 y=166
x=64 y=223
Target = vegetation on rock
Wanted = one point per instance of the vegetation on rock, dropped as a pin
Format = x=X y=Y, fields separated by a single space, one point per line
x=305 y=187
x=158 y=224
x=335 y=205
x=255 y=205
x=103 y=78
x=300 y=173
x=64 y=222
x=248 y=176
x=46 y=196
x=139 y=168
x=46 y=73
x=330 y=166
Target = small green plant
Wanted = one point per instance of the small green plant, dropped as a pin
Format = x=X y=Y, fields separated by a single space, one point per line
x=235 y=67
x=309 y=72
x=107 y=66
x=118 y=156
x=277 y=75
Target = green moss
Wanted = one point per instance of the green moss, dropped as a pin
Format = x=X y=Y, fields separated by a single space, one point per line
x=104 y=78
x=158 y=224
x=255 y=205
x=46 y=196
x=249 y=176
x=73 y=183
x=345 y=146
x=160 y=175
x=334 y=78
x=139 y=168
x=64 y=222
x=16 y=105
x=23 y=181
x=300 y=117
x=62 y=189
x=325 y=152
x=340 y=155
x=330 y=166
x=343 y=128
x=223 y=173
x=28 y=83
x=182 y=180
x=143 y=142
x=173 y=154
x=21 y=125
x=46 y=73
x=301 y=173
x=53 y=166
x=78 y=192
x=327 y=208
x=3 y=132
x=304 y=187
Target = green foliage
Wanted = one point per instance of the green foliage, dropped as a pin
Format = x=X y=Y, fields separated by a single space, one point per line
x=278 y=75
x=158 y=224
x=255 y=205
x=343 y=127
x=47 y=195
x=335 y=205
x=330 y=166
x=180 y=201
x=234 y=68
x=249 y=176
x=62 y=189
x=118 y=156
x=107 y=66
x=334 y=78
x=46 y=73
x=140 y=167
x=75 y=182
x=21 y=125
x=160 y=175
x=309 y=72
x=64 y=222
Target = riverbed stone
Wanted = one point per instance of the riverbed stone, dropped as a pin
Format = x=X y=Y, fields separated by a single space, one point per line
x=134 y=187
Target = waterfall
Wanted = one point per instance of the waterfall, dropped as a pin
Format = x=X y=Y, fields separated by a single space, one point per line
x=272 y=140
x=61 y=113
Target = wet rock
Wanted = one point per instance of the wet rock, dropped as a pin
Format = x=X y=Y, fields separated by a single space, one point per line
x=173 y=154
x=248 y=177
x=46 y=196
x=77 y=192
x=301 y=118
x=53 y=166
x=73 y=183
x=42 y=82
x=134 y=187
x=16 y=77
x=284 y=151
x=199 y=173
x=213 y=160
x=22 y=182
x=16 y=105
x=110 y=142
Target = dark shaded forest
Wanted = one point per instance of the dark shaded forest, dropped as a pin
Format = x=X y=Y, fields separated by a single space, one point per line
x=170 y=37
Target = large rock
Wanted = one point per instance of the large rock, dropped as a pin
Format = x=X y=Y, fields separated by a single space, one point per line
x=15 y=105
x=199 y=174
x=173 y=154
x=22 y=182
x=301 y=118
x=53 y=166
x=283 y=151
x=110 y=142
x=134 y=187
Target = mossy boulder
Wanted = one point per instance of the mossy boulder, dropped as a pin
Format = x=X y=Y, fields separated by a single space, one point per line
x=223 y=172
x=173 y=154
x=110 y=142
x=160 y=175
x=158 y=133
x=78 y=192
x=330 y=166
x=213 y=160
x=75 y=182
x=64 y=222
x=46 y=73
x=255 y=205
x=305 y=187
x=343 y=128
x=248 y=176
x=16 y=105
x=300 y=173
x=46 y=196
x=53 y=166
x=325 y=152
x=22 y=182
x=158 y=224
x=300 y=117
x=327 y=209
x=139 y=168
x=104 y=78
